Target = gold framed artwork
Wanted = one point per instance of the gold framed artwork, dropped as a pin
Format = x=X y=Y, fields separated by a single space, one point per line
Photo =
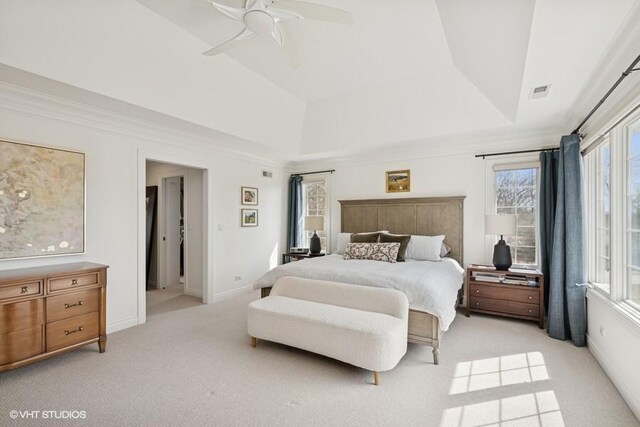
x=249 y=196
x=398 y=181
x=42 y=201
x=249 y=217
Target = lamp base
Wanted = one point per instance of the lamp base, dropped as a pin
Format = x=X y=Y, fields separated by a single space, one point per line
x=314 y=244
x=502 y=256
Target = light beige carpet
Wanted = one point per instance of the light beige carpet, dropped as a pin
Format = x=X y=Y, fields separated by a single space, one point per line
x=194 y=366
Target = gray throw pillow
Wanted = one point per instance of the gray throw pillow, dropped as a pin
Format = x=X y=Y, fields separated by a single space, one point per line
x=397 y=238
x=364 y=238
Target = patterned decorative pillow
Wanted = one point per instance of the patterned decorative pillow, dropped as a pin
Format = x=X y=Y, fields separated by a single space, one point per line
x=387 y=252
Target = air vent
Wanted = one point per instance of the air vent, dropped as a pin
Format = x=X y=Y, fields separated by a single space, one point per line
x=267 y=174
x=539 y=92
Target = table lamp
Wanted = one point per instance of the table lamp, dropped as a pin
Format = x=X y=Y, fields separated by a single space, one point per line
x=314 y=223
x=501 y=225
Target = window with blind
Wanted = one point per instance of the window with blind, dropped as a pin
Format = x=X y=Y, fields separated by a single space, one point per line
x=315 y=204
x=516 y=193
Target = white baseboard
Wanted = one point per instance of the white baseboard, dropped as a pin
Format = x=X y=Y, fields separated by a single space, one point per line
x=118 y=326
x=617 y=378
x=193 y=292
x=223 y=296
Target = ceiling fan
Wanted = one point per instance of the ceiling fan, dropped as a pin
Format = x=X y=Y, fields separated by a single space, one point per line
x=264 y=18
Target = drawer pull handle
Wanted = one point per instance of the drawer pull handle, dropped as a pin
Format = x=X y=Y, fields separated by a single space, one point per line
x=477 y=303
x=530 y=297
x=74 y=281
x=477 y=291
x=73 y=305
x=529 y=310
x=24 y=290
x=80 y=329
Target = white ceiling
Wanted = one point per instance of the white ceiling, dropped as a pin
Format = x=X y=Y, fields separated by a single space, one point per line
x=406 y=70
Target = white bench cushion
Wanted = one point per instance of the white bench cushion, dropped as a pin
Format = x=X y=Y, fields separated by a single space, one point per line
x=367 y=339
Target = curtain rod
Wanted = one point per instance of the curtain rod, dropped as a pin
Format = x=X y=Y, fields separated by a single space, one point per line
x=505 y=153
x=313 y=173
x=624 y=75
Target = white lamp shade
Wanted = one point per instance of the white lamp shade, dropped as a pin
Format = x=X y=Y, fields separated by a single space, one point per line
x=500 y=225
x=314 y=223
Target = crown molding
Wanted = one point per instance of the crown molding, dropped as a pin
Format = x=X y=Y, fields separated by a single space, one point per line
x=32 y=102
x=450 y=145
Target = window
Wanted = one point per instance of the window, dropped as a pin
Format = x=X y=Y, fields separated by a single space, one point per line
x=602 y=216
x=315 y=204
x=516 y=193
x=633 y=212
x=612 y=171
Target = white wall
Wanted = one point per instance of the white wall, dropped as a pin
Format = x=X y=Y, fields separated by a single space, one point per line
x=614 y=340
x=115 y=148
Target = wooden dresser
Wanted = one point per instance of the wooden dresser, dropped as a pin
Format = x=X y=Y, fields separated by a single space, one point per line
x=46 y=311
x=514 y=293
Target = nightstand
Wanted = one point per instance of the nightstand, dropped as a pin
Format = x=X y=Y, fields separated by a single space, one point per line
x=517 y=293
x=297 y=257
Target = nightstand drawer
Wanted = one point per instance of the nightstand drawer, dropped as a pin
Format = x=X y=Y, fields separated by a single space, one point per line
x=512 y=293
x=504 y=306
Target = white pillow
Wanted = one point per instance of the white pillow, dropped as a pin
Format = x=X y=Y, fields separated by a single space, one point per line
x=345 y=238
x=425 y=248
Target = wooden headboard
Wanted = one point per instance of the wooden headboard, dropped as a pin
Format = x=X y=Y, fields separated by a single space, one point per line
x=428 y=216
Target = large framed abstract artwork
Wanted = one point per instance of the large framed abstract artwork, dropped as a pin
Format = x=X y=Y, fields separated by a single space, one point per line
x=42 y=201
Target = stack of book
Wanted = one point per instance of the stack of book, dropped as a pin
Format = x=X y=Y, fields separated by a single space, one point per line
x=506 y=278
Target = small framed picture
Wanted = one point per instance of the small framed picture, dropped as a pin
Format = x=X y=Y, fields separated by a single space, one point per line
x=398 y=181
x=249 y=217
x=249 y=196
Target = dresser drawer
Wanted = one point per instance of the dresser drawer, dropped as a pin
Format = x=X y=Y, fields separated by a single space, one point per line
x=21 y=315
x=513 y=293
x=72 y=331
x=503 y=306
x=72 y=304
x=72 y=282
x=20 y=290
x=18 y=345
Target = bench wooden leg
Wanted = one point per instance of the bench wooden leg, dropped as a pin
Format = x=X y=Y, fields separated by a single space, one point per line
x=254 y=341
x=376 y=377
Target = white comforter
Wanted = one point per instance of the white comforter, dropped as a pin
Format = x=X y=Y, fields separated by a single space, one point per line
x=429 y=286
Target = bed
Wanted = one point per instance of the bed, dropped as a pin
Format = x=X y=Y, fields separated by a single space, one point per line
x=433 y=288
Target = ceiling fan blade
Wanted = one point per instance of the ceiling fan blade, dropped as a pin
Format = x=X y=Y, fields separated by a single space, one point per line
x=243 y=35
x=314 y=11
x=288 y=45
x=232 y=12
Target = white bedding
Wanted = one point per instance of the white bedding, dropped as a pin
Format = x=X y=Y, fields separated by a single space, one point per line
x=429 y=286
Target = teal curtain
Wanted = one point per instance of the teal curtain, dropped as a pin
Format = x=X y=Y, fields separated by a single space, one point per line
x=547 y=213
x=295 y=213
x=564 y=243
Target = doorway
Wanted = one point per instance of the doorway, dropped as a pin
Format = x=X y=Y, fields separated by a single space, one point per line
x=175 y=252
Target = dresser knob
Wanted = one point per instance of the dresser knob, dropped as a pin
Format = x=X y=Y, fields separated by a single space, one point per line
x=477 y=303
x=530 y=297
x=74 y=281
x=529 y=311
x=477 y=291
x=24 y=290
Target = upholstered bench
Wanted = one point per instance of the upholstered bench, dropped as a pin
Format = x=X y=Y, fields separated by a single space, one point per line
x=359 y=325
